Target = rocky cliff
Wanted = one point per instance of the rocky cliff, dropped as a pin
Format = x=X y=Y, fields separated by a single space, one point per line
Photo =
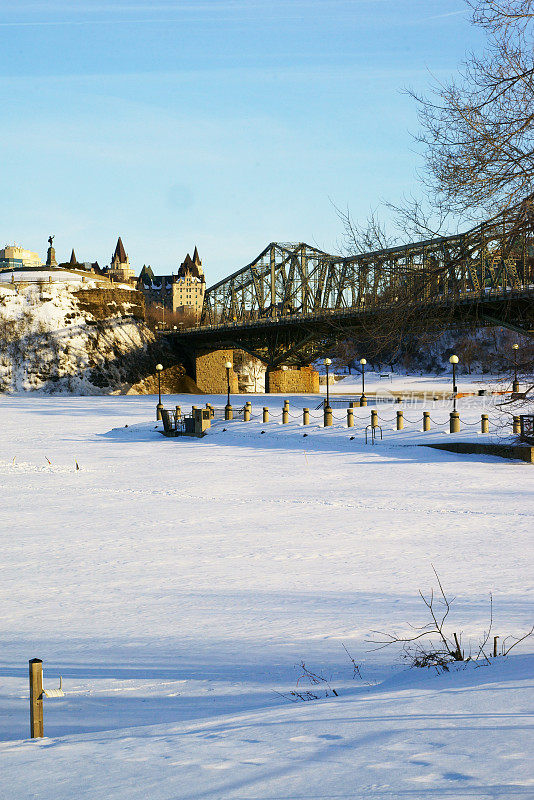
x=63 y=338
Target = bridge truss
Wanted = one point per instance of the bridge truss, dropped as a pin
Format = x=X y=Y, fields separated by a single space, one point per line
x=288 y=279
x=294 y=301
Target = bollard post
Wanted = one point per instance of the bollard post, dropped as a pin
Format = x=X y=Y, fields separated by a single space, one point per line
x=36 y=698
x=350 y=417
x=265 y=414
x=159 y=409
x=374 y=418
x=454 y=424
x=516 y=425
x=484 y=423
x=426 y=420
x=327 y=416
x=363 y=400
x=400 y=420
x=246 y=413
x=353 y=403
x=228 y=412
x=285 y=415
x=286 y=404
x=398 y=399
x=178 y=412
x=305 y=416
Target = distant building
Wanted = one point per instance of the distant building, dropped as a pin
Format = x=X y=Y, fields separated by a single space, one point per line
x=183 y=292
x=73 y=263
x=13 y=256
x=120 y=269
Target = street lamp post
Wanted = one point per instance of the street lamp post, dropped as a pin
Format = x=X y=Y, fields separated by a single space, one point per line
x=363 y=398
x=327 y=410
x=228 y=366
x=327 y=363
x=515 y=384
x=162 y=313
x=159 y=407
x=454 y=360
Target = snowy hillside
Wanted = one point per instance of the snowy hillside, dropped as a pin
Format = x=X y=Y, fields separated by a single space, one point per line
x=53 y=339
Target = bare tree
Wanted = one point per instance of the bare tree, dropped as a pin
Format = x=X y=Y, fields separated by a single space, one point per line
x=402 y=324
x=478 y=130
x=433 y=645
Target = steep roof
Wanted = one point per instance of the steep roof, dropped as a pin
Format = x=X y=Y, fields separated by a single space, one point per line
x=188 y=267
x=120 y=252
x=146 y=273
x=191 y=266
x=73 y=259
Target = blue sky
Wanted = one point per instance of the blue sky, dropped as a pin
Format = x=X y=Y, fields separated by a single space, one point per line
x=222 y=123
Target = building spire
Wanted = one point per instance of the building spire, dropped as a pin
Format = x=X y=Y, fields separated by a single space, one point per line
x=73 y=260
x=120 y=252
x=196 y=258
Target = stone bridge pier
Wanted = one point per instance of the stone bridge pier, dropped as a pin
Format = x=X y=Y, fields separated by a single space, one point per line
x=210 y=375
x=210 y=371
x=293 y=380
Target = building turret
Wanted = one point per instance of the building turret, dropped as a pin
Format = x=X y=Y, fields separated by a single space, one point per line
x=120 y=269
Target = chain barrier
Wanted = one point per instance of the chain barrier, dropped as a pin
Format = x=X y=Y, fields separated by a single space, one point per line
x=278 y=415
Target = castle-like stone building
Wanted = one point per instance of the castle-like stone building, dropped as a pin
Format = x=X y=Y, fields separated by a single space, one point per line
x=183 y=292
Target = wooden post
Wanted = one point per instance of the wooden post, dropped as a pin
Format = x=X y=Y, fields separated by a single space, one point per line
x=484 y=423
x=350 y=417
x=400 y=420
x=305 y=416
x=265 y=414
x=178 y=413
x=426 y=420
x=36 y=698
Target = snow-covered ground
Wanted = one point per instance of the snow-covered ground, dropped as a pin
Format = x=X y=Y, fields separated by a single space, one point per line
x=391 y=382
x=177 y=585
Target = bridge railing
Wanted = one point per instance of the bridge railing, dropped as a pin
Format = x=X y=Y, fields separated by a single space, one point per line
x=361 y=308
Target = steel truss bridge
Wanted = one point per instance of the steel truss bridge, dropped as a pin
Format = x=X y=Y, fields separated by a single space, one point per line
x=293 y=301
